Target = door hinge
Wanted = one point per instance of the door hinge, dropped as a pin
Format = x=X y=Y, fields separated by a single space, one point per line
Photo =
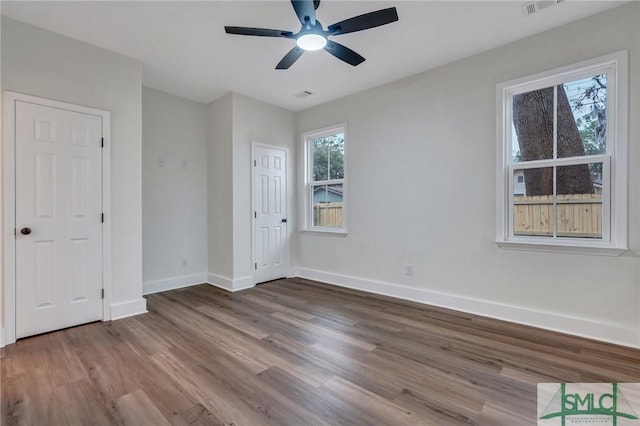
x=255 y=215
x=256 y=266
x=102 y=293
x=101 y=142
x=255 y=163
x=102 y=218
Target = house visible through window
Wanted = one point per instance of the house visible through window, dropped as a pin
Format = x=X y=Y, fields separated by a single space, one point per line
x=325 y=179
x=564 y=139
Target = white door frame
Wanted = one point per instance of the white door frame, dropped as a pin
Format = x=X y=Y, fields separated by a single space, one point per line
x=253 y=203
x=8 y=213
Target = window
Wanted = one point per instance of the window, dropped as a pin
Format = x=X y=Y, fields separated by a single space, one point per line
x=561 y=168
x=325 y=180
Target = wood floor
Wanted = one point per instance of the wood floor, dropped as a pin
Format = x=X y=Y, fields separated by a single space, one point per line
x=295 y=352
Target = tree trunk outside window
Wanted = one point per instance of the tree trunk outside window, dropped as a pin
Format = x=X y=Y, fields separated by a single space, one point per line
x=533 y=122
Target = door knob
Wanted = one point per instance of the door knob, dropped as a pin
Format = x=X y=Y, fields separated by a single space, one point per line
x=25 y=231
x=284 y=220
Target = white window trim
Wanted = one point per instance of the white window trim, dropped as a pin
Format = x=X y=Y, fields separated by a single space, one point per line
x=615 y=160
x=307 y=197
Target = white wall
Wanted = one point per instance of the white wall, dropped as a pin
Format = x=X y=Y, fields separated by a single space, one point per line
x=174 y=191
x=426 y=142
x=41 y=63
x=236 y=122
x=421 y=185
x=220 y=191
x=256 y=121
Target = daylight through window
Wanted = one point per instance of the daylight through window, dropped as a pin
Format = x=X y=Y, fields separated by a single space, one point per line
x=561 y=136
x=325 y=181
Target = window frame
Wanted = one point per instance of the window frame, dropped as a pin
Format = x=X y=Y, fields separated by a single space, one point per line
x=309 y=183
x=614 y=196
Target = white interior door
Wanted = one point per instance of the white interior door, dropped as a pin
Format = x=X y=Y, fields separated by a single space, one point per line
x=58 y=218
x=270 y=200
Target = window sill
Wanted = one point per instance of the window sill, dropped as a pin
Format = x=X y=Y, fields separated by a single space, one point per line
x=562 y=248
x=339 y=233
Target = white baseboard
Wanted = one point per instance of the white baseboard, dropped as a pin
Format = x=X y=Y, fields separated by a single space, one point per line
x=2 y=337
x=550 y=321
x=224 y=283
x=229 y=284
x=243 y=283
x=294 y=271
x=128 y=308
x=156 y=286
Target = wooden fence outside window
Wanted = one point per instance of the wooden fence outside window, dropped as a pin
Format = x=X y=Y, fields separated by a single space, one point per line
x=327 y=214
x=578 y=215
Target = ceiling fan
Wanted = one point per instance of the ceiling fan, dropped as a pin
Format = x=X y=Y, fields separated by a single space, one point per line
x=313 y=37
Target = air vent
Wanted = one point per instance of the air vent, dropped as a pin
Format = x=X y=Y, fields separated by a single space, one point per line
x=535 y=6
x=304 y=94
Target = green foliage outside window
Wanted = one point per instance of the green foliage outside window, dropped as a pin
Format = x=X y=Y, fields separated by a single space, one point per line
x=328 y=157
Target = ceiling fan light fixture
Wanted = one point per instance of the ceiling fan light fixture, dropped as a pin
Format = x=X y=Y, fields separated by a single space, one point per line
x=311 y=41
x=312 y=35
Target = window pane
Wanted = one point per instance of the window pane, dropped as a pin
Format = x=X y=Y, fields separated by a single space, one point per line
x=533 y=202
x=582 y=118
x=532 y=130
x=328 y=157
x=579 y=201
x=327 y=205
x=336 y=157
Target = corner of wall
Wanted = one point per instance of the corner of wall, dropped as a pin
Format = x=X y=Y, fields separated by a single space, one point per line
x=230 y=284
x=128 y=308
x=220 y=281
x=243 y=283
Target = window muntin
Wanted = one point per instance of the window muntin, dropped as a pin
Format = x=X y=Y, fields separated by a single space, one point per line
x=569 y=121
x=561 y=132
x=325 y=179
x=554 y=212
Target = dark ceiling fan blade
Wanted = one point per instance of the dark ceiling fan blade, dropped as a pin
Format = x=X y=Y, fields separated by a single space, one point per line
x=262 y=32
x=303 y=9
x=364 y=22
x=288 y=60
x=343 y=53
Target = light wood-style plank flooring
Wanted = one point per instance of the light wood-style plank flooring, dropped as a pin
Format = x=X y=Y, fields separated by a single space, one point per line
x=295 y=352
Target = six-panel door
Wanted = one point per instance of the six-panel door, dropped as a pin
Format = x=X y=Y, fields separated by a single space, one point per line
x=270 y=192
x=58 y=218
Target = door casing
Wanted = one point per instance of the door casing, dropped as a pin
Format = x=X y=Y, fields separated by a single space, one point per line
x=8 y=216
x=253 y=203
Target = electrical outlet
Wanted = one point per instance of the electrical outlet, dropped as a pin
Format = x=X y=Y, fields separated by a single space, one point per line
x=408 y=269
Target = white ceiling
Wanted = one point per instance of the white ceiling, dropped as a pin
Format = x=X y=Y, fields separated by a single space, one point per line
x=185 y=50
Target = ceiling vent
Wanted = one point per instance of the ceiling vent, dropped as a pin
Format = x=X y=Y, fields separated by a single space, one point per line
x=303 y=94
x=535 y=6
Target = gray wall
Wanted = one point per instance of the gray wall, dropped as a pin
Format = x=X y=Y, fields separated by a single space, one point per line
x=220 y=189
x=235 y=122
x=174 y=190
x=256 y=121
x=48 y=65
x=428 y=141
